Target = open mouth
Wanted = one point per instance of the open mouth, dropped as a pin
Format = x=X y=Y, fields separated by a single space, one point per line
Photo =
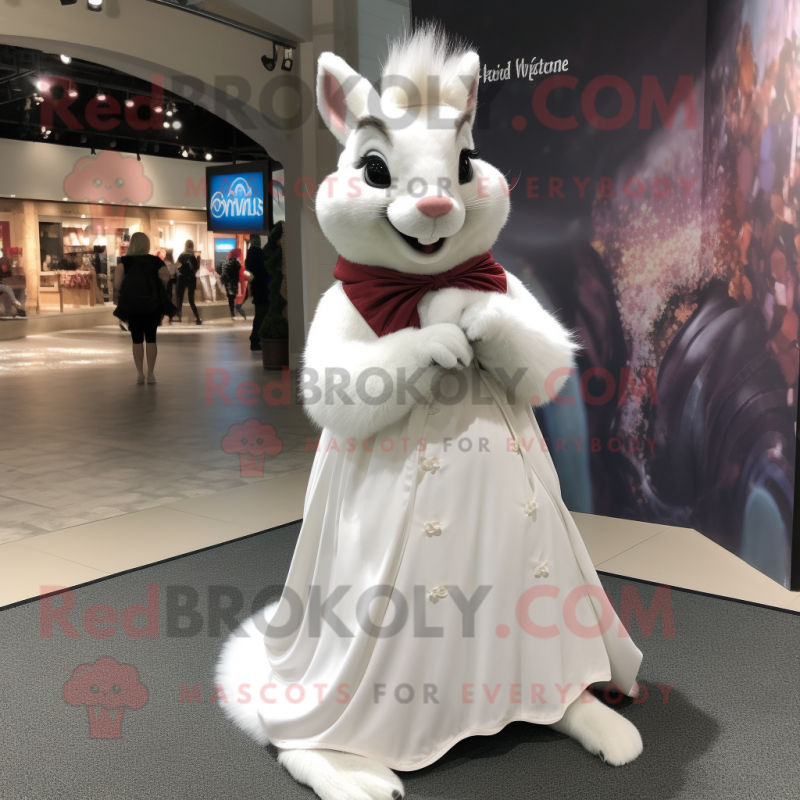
x=427 y=248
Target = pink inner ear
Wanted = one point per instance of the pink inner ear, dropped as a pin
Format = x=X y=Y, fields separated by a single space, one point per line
x=473 y=94
x=333 y=101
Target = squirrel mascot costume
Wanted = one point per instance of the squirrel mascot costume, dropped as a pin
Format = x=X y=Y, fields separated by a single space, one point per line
x=439 y=588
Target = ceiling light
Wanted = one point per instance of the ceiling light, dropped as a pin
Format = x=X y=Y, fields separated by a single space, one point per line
x=288 y=59
x=94 y=5
x=65 y=59
x=128 y=101
x=112 y=143
x=94 y=152
x=166 y=124
x=158 y=108
x=184 y=152
x=208 y=156
x=177 y=124
x=269 y=63
x=42 y=86
x=84 y=138
x=73 y=90
x=101 y=95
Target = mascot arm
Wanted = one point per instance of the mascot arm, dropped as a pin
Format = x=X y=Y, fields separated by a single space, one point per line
x=348 y=370
x=513 y=332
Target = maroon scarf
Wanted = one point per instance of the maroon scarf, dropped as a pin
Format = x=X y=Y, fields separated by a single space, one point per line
x=387 y=299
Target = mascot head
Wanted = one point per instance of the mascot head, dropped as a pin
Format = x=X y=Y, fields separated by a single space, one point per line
x=410 y=192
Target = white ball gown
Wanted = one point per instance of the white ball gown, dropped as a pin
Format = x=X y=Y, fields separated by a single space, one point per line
x=398 y=666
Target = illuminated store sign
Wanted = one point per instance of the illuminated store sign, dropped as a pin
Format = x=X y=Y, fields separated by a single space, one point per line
x=237 y=202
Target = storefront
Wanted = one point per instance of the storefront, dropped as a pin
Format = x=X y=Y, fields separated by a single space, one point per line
x=60 y=253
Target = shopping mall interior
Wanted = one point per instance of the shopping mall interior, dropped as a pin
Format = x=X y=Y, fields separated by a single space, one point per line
x=149 y=507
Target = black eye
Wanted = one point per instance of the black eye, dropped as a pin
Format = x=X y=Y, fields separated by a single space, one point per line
x=465 y=165
x=94 y=688
x=376 y=173
x=97 y=182
x=119 y=183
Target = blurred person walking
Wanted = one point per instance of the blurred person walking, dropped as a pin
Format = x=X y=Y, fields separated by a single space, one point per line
x=255 y=264
x=169 y=260
x=187 y=279
x=141 y=281
x=244 y=290
x=229 y=275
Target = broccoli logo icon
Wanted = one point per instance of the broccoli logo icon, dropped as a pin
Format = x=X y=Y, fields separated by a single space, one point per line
x=252 y=442
x=106 y=688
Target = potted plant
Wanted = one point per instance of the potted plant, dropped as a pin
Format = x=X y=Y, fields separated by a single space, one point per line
x=274 y=330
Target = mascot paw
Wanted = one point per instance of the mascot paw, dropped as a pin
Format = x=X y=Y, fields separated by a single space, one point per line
x=341 y=776
x=444 y=344
x=481 y=321
x=601 y=730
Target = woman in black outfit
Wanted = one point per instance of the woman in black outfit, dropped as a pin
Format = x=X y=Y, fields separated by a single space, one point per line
x=141 y=281
x=229 y=275
x=187 y=279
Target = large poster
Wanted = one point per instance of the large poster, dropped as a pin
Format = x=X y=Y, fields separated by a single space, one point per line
x=653 y=151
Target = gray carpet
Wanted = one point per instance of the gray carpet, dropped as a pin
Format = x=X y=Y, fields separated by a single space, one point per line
x=730 y=730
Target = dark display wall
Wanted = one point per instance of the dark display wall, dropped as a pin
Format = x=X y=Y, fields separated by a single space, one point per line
x=655 y=210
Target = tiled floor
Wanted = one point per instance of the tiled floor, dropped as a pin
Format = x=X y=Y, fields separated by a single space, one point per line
x=98 y=475
x=80 y=442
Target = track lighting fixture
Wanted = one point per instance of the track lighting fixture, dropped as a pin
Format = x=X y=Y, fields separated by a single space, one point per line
x=208 y=155
x=184 y=152
x=101 y=95
x=112 y=143
x=94 y=152
x=166 y=124
x=158 y=108
x=128 y=101
x=269 y=63
x=72 y=91
x=138 y=157
x=65 y=59
x=94 y=5
x=288 y=59
x=177 y=125
x=84 y=138
x=156 y=147
x=68 y=2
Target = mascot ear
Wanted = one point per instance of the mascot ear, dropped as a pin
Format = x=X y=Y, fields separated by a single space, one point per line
x=469 y=71
x=342 y=95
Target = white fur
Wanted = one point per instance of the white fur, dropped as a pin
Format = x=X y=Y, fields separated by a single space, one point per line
x=243 y=662
x=601 y=730
x=342 y=776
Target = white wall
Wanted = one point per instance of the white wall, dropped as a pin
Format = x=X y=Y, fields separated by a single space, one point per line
x=39 y=171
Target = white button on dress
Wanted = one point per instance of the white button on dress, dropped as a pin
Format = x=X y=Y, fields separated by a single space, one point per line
x=542 y=571
x=432 y=528
x=437 y=593
x=430 y=464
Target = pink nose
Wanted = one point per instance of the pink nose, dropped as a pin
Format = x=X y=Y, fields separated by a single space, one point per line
x=434 y=206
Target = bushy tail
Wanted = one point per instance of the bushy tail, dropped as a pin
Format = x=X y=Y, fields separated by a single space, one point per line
x=243 y=662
